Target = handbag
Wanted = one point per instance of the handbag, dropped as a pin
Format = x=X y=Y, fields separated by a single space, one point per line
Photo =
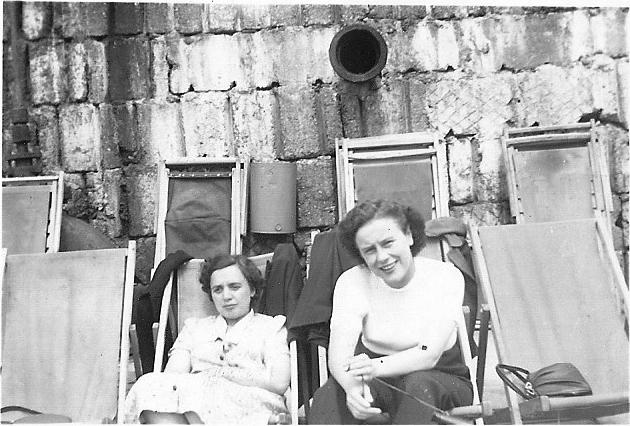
x=555 y=380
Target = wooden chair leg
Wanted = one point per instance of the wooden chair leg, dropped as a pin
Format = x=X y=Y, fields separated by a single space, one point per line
x=135 y=350
x=483 y=346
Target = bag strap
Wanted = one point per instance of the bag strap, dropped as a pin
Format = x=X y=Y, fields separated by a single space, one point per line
x=522 y=374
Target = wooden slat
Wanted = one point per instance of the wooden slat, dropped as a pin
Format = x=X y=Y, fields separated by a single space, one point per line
x=549 y=139
x=130 y=268
x=401 y=139
x=187 y=161
x=545 y=129
x=378 y=155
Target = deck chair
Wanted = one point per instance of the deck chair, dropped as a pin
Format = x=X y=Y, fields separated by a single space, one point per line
x=201 y=206
x=186 y=300
x=555 y=293
x=65 y=323
x=31 y=214
x=556 y=173
x=409 y=168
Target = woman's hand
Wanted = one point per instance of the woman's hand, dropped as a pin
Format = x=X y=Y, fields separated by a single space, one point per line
x=361 y=367
x=359 y=400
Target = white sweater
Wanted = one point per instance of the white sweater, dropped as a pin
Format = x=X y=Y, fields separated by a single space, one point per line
x=392 y=320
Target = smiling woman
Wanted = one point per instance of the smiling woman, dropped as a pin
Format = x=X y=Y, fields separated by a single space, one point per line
x=229 y=368
x=394 y=317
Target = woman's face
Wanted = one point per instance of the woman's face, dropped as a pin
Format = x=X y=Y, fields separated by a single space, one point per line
x=231 y=293
x=386 y=249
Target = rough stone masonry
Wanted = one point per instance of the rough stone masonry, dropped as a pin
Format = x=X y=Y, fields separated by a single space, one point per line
x=113 y=87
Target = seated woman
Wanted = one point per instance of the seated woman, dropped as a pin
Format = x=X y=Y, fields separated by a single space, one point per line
x=233 y=367
x=394 y=318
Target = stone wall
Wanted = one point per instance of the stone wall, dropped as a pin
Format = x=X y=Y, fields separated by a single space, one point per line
x=113 y=87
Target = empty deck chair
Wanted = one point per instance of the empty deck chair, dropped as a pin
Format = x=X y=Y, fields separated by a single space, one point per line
x=65 y=324
x=409 y=168
x=31 y=214
x=188 y=300
x=556 y=173
x=201 y=206
x=556 y=294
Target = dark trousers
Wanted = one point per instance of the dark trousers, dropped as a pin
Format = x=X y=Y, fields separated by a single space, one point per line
x=439 y=389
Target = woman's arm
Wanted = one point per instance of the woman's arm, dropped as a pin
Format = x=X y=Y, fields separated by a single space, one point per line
x=275 y=373
x=178 y=362
x=346 y=324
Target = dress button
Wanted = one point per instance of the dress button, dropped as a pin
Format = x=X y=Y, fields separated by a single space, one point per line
x=221 y=357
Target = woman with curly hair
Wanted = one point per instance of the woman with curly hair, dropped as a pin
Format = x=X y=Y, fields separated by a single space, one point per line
x=394 y=318
x=230 y=368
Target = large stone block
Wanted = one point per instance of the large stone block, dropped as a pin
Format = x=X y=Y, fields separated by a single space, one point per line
x=222 y=18
x=145 y=254
x=317 y=14
x=385 y=111
x=467 y=105
x=141 y=199
x=128 y=18
x=124 y=133
x=615 y=140
x=623 y=95
x=76 y=57
x=84 y=19
x=303 y=58
x=179 y=72
x=103 y=193
x=47 y=127
x=532 y=40
x=47 y=73
x=353 y=13
x=418 y=105
x=97 y=71
x=109 y=137
x=553 y=95
x=490 y=181
x=256 y=17
x=161 y=131
x=256 y=124
x=36 y=19
x=214 y=63
x=448 y=12
x=205 y=122
x=158 y=17
x=128 y=64
x=329 y=117
x=480 y=45
x=483 y=214
x=460 y=169
x=80 y=130
x=609 y=31
x=316 y=195
x=188 y=18
x=298 y=123
x=159 y=69
x=433 y=46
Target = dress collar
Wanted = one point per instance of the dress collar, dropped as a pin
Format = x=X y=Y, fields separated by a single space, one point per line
x=234 y=333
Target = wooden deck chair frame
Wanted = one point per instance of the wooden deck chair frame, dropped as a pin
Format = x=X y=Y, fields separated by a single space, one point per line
x=522 y=141
x=545 y=409
x=172 y=169
x=400 y=147
x=123 y=258
x=167 y=314
x=53 y=185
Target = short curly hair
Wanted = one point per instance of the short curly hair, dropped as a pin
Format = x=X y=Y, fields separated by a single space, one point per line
x=223 y=260
x=406 y=217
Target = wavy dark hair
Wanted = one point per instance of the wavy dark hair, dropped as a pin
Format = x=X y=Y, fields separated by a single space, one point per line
x=406 y=217
x=223 y=260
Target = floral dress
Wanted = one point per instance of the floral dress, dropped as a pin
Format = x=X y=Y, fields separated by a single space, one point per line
x=256 y=340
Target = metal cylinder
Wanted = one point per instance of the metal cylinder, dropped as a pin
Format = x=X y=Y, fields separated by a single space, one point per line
x=358 y=53
x=273 y=197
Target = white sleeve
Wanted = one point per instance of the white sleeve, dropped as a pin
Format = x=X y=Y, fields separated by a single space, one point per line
x=349 y=305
